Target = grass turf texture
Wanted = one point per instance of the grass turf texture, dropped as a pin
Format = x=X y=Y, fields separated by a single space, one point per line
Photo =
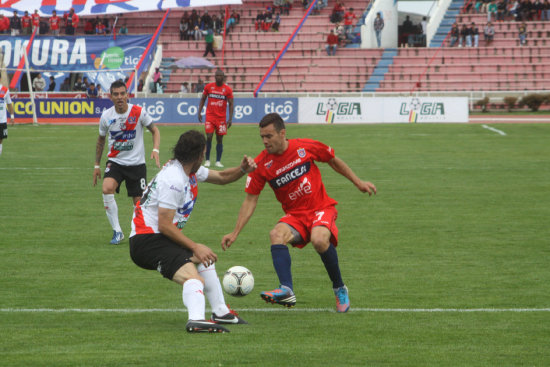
x=460 y=221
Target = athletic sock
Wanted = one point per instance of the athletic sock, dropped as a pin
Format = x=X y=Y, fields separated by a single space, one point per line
x=213 y=289
x=208 y=148
x=193 y=299
x=219 y=151
x=282 y=264
x=112 y=211
x=0 y=149
x=330 y=259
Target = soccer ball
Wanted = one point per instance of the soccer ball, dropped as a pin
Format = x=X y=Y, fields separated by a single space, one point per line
x=238 y=281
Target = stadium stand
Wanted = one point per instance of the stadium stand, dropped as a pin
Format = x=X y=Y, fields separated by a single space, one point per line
x=502 y=65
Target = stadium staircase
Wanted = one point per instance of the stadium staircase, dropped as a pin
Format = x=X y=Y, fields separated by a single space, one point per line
x=446 y=23
x=380 y=70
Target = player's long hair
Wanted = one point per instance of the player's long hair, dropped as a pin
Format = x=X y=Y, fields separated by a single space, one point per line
x=190 y=147
x=275 y=119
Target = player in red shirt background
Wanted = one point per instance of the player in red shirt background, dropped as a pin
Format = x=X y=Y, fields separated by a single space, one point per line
x=219 y=95
x=288 y=166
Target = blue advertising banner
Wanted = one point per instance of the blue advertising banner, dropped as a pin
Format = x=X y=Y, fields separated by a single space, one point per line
x=248 y=110
x=103 y=59
x=62 y=108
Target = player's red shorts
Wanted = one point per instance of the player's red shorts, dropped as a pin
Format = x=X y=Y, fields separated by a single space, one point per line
x=305 y=221
x=219 y=126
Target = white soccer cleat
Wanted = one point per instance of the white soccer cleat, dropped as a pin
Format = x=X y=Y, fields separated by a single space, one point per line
x=219 y=164
x=207 y=163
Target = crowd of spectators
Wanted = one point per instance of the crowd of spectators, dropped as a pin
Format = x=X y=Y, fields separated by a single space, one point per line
x=520 y=10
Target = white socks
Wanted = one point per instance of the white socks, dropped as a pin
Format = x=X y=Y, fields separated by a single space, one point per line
x=213 y=289
x=193 y=299
x=112 y=211
x=0 y=149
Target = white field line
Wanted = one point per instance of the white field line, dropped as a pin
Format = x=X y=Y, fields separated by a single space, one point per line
x=173 y=310
x=494 y=130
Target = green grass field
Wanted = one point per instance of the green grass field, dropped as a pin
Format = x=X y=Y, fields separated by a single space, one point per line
x=447 y=266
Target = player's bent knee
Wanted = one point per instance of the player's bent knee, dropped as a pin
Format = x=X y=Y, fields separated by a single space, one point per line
x=186 y=272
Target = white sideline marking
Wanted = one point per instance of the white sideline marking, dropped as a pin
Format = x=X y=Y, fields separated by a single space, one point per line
x=170 y=310
x=494 y=130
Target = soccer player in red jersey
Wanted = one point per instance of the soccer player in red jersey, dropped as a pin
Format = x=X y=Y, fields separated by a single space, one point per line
x=35 y=20
x=288 y=166
x=219 y=95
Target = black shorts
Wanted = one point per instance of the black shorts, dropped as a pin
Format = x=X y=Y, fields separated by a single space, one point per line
x=135 y=177
x=158 y=252
x=3 y=131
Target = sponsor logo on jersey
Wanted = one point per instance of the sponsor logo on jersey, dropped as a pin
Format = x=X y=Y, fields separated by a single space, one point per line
x=172 y=187
x=287 y=166
x=290 y=176
x=301 y=152
x=123 y=135
x=123 y=145
x=303 y=189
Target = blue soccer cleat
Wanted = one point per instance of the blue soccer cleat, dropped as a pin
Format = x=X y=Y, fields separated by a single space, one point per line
x=117 y=238
x=342 y=299
x=283 y=296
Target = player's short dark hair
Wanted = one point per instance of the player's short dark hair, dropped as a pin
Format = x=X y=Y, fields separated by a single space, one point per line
x=117 y=84
x=190 y=147
x=275 y=119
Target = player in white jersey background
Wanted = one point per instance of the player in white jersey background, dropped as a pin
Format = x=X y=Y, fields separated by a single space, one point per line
x=123 y=126
x=157 y=242
x=5 y=104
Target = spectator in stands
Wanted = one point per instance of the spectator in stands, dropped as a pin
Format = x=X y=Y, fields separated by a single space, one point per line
x=51 y=87
x=194 y=17
x=478 y=5
x=157 y=80
x=378 y=26
x=4 y=24
x=199 y=87
x=276 y=22
x=217 y=24
x=71 y=22
x=332 y=43
x=337 y=12
x=66 y=86
x=184 y=87
x=38 y=83
x=341 y=33
x=15 y=24
x=140 y=85
x=469 y=34
x=35 y=20
x=92 y=92
x=197 y=33
x=268 y=20
x=89 y=27
x=123 y=30
x=463 y=33
x=54 y=23
x=349 y=19
x=474 y=32
x=26 y=24
x=491 y=10
x=522 y=33
x=545 y=13
x=278 y=5
x=485 y=5
x=206 y=21
x=424 y=30
x=79 y=86
x=209 y=40
x=501 y=10
x=287 y=6
x=455 y=35
x=259 y=21
x=184 y=28
x=231 y=22
x=489 y=33
x=100 y=28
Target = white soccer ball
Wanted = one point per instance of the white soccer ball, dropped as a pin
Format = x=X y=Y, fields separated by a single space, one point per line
x=238 y=281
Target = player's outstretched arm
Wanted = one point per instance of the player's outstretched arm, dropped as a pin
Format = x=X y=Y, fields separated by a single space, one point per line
x=98 y=153
x=232 y=174
x=156 y=143
x=342 y=168
x=246 y=211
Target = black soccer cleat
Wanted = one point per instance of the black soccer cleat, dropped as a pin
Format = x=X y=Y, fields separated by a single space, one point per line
x=202 y=326
x=232 y=317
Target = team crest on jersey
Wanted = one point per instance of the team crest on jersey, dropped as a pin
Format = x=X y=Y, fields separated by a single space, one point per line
x=268 y=164
x=122 y=125
x=301 y=152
